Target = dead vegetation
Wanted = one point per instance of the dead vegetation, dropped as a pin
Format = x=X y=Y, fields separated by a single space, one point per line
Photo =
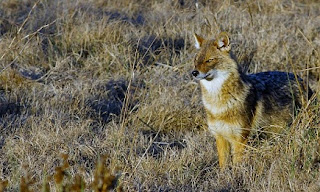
x=108 y=84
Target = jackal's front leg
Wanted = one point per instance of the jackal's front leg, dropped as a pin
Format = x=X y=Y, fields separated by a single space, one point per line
x=223 y=147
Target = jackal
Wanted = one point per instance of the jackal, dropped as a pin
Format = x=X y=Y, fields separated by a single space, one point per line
x=237 y=103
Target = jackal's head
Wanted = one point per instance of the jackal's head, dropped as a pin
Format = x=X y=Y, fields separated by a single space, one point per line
x=213 y=57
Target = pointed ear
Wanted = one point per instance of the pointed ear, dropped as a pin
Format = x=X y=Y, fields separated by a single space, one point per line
x=223 y=42
x=198 y=41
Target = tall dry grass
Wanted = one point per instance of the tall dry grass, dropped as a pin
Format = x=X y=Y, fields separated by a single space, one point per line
x=95 y=79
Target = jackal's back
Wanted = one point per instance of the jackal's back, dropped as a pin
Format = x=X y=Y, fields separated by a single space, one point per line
x=277 y=95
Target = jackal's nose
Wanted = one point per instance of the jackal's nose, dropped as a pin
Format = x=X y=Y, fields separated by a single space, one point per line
x=195 y=73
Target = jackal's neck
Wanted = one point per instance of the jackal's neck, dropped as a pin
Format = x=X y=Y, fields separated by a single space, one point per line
x=214 y=86
x=226 y=87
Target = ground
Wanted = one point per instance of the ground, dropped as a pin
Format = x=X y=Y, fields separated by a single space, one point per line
x=84 y=82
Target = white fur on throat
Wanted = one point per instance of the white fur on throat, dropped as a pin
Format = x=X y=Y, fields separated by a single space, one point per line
x=213 y=88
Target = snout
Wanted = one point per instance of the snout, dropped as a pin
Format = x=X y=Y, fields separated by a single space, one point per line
x=198 y=75
x=195 y=73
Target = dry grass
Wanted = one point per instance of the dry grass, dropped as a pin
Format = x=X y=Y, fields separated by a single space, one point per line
x=96 y=79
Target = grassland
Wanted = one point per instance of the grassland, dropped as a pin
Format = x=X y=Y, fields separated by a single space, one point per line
x=108 y=81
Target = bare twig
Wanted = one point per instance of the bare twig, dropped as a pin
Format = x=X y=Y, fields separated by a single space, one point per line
x=168 y=66
x=308 y=69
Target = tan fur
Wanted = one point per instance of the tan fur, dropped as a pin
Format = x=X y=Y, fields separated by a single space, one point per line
x=233 y=103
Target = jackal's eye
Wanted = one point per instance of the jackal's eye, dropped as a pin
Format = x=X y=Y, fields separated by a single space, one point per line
x=209 y=60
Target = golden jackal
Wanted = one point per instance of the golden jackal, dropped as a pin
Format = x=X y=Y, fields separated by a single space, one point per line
x=236 y=103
